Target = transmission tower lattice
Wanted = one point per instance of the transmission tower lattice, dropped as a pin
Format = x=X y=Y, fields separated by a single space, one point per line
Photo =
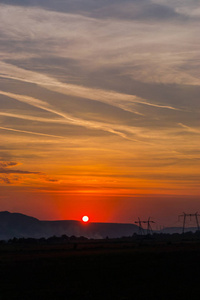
x=149 y=229
x=184 y=215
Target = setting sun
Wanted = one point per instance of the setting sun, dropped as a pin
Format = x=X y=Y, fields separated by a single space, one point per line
x=85 y=219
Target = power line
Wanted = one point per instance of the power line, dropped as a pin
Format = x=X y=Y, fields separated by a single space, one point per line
x=184 y=215
x=149 y=229
x=141 y=229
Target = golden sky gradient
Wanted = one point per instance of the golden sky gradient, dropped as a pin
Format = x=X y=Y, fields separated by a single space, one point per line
x=99 y=109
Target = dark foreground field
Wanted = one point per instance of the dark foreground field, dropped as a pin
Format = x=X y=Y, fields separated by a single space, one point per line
x=100 y=270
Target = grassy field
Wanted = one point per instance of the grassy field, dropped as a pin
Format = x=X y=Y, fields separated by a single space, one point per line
x=105 y=269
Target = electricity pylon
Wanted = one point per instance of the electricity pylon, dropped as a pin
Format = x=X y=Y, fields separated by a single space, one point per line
x=184 y=215
x=141 y=229
x=148 y=222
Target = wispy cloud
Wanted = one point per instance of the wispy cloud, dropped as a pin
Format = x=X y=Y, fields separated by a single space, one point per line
x=8 y=164
x=30 y=132
x=68 y=119
x=120 y=100
x=5 y=180
x=9 y=176
x=145 y=49
x=5 y=168
x=114 y=129
x=100 y=93
x=190 y=129
x=133 y=133
x=129 y=9
x=12 y=171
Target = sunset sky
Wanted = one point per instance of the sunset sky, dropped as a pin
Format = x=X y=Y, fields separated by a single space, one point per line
x=100 y=109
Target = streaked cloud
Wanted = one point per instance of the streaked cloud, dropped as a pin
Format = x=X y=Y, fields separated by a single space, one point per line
x=112 y=98
x=151 y=53
x=99 y=98
x=115 y=129
x=5 y=168
x=29 y=132
x=7 y=164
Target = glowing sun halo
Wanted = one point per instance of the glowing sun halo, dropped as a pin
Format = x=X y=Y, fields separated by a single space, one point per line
x=85 y=219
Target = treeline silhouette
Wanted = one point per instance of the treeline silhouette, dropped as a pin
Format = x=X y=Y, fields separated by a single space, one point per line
x=135 y=238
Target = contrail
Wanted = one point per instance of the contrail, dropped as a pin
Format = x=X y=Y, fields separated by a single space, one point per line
x=114 y=129
x=30 y=132
x=112 y=98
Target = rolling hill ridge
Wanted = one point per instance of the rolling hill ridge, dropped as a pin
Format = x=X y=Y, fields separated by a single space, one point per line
x=23 y=226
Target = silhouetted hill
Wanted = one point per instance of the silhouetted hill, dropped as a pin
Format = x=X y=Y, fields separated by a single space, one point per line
x=19 y=225
x=172 y=230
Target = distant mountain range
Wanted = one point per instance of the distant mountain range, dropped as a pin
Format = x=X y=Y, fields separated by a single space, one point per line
x=172 y=230
x=19 y=225
x=22 y=226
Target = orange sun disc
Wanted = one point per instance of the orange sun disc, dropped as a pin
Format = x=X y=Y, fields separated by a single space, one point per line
x=85 y=219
